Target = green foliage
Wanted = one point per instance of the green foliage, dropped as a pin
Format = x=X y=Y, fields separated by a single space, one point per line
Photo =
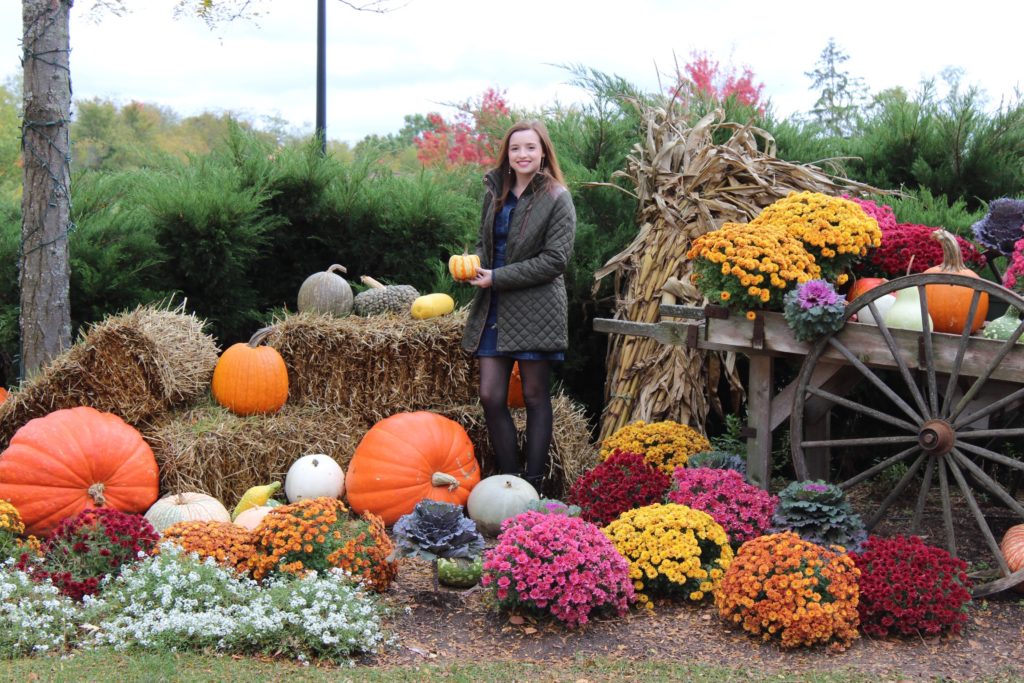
x=115 y=255
x=719 y=460
x=919 y=206
x=819 y=512
x=10 y=249
x=10 y=140
x=838 y=102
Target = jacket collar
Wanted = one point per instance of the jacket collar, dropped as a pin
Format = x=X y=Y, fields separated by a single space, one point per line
x=492 y=179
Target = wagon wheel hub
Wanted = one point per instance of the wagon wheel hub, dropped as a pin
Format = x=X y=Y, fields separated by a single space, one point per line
x=936 y=437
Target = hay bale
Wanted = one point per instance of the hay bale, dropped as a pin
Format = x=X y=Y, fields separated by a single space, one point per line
x=375 y=366
x=209 y=449
x=135 y=365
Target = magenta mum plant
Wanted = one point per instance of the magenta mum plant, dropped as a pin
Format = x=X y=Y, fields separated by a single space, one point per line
x=557 y=565
x=744 y=510
x=622 y=482
x=910 y=588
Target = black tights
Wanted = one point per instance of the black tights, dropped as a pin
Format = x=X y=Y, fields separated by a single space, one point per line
x=535 y=374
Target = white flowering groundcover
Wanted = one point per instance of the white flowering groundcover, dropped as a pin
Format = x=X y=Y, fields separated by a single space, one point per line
x=174 y=602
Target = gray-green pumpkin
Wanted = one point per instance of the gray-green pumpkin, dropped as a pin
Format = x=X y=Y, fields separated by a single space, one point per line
x=326 y=292
x=380 y=298
x=1002 y=328
x=459 y=572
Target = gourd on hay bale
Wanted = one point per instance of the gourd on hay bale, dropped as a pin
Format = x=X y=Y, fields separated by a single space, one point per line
x=208 y=448
x=136 y=365
x=376 y=366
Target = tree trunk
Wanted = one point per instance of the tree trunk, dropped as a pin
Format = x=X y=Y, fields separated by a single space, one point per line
x=44 y=271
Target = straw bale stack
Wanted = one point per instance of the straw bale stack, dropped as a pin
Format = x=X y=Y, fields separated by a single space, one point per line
x=686 y=186
x=375 y=366
x=137 y=365
x=209 y=449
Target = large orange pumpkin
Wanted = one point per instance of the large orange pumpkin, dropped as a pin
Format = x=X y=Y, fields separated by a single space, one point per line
x=1012 y=547
x=409 y=457
x=73 y=459
x=250 y=379
x=948 y=305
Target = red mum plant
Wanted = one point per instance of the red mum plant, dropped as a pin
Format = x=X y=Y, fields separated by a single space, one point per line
x=622 y=482
x=910 y=588
x=744 y=510
x=85 y=548
x=906 y=240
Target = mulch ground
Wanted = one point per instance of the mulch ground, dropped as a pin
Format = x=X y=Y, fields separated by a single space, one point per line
x=467 y=629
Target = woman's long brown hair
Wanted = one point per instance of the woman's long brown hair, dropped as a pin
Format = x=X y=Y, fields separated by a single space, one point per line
x=550 y=171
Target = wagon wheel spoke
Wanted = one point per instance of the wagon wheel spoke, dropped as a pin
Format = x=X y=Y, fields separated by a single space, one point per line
x=896 y=492
x=922 y=496
x=961 y=349
x=901 y=364
x=863 y=409
x=929 y=353
x=979 y=518
x=875 y=379
x=991 y=455
x=947 y=509
x=989 y=483
x=862 y=441
x=991 y=408
x=990 y=433
x=982 y=378
x=885 y=464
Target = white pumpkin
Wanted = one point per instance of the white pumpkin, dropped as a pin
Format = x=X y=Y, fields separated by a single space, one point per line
x=498 y=498
x=251 y=518
x=314 y=476
x=326 y=292
x=186 y=507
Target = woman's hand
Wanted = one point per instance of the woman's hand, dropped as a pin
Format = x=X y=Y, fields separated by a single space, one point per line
x=482 y=278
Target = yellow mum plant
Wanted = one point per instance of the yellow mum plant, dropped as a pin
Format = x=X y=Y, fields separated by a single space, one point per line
x=230 y=545
x=10 y=519
x=750 y=268
x=318 y=534
x=782 y=587
x=11 y=529
x=673 y=551
x=665 y=445
x=837 y=231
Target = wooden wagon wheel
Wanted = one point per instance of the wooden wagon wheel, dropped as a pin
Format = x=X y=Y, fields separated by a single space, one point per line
x=935 y=414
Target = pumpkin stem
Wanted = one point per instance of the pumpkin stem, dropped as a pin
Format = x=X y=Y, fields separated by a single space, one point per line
x=952 y=259
x=96 y=491
x=257 y=338
x=336 y=267
x=370 y=282
x=444 y=479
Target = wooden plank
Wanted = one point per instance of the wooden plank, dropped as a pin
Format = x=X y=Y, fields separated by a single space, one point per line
x=676 y=311
x=759 y=409
x=666 y=333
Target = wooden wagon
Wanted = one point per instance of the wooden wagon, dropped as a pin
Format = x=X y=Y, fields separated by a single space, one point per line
x=927 y=405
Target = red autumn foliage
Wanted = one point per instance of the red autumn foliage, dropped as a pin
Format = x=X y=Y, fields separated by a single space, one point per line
x=465 y=139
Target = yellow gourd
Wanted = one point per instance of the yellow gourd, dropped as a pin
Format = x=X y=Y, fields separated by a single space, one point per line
x=432 y=305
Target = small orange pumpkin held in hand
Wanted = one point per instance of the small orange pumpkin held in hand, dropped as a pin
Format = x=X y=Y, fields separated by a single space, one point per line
x=250 y=379
x=948 y=305
x=463 y=266
x=409 y=457
x=73 y=459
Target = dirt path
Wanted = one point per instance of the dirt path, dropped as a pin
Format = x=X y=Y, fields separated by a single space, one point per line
x=991 y=647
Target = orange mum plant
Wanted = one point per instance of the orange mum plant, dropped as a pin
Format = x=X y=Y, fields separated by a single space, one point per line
x=782 y=587
x=317 y=534
x=230 y=545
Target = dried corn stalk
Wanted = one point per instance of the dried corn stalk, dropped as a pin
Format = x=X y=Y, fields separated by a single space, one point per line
x=686 y=185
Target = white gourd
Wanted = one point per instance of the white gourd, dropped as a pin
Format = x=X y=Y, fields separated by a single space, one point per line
x=498 y=498
x=905 y=313
x=186 y=507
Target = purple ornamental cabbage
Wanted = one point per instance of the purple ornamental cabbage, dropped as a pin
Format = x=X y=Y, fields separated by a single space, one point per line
x=1002 y=225
x=437 y=529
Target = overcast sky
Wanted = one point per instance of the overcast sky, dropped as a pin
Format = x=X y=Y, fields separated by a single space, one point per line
x=430 y=52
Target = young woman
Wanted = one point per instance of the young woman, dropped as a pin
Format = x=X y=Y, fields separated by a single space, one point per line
x=520 y=309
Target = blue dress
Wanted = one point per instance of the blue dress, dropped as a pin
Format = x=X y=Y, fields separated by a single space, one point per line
x=489 y=339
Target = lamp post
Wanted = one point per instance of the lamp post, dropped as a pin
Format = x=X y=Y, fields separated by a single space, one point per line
x=321 y=74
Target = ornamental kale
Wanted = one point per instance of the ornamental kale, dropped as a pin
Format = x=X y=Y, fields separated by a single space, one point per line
x=819 y=512
x=1002 y=225
x=552 y=506
x=813 y=310
x=719 y=460
x=437 y=529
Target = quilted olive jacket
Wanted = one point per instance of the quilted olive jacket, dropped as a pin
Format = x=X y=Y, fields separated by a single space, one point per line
x=533 y=313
